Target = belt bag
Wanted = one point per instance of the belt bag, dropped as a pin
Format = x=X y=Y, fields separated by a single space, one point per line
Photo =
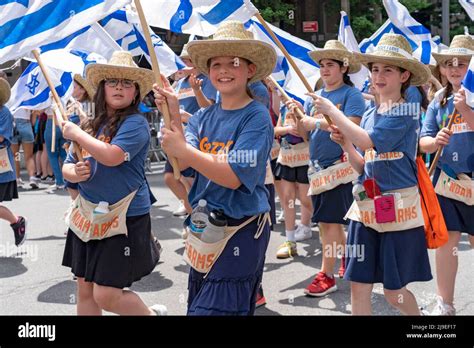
x=331 y=177
x=295 y=156
x=408 y=212
x=88 y=225
x=458 y=189
x=268 y=175
x=5 y=165
x=275 y=150
x=202 y=256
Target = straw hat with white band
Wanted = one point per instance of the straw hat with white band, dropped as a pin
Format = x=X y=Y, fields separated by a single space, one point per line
x=5 y=91
x=184 y=53
x=232 y=40
x=335 y=50
x=394 y=49
x=85 y=84
x=121 y=66
x=462 y=46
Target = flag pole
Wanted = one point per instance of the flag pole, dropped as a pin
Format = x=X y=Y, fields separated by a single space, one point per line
x=438 y=153
x=290 y=60
x=157 y=73
x=56 y=99
x=286 y=97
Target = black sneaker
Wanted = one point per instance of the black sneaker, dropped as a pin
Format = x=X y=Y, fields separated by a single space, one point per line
x=19 y=229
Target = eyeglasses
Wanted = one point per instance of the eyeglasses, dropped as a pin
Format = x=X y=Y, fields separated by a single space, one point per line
x=114 y=83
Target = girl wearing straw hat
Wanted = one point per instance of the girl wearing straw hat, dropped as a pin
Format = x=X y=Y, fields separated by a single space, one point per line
x=77 y=109
x=8 y=188
x=330 y=203
x=386 y=241
x=225 y=275
x=455 y=167
x=109 y=244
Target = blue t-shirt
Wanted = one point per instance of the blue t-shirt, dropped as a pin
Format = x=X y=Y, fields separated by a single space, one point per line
x=351 y=102
x=395 y=138
x=248 y=135
x=186 y=95
x=111 y=184
x=6 y=131
x=260 y=93
x=459 y=153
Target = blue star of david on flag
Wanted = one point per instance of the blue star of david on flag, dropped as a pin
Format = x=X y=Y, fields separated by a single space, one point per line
x=33 y=83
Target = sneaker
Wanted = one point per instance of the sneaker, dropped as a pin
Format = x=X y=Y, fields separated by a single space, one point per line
x=260 y=301
x=184 y=234
x=281 y=217
x=181 y=211
x=34 y=181
x=321 y=285
x=49 y=179
x=342 y=268
x=53 y=188
x=159 y=309
x=19 y=230
x=303 y=232
x=286 y=250
x=442 y=309
x=19 y=182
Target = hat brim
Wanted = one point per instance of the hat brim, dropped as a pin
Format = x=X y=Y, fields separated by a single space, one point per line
x=339 y=55
x=5 y=91
x=420 y=73
x=95 y=73
x=442 y=58
x=86 y=85
x=259 y=53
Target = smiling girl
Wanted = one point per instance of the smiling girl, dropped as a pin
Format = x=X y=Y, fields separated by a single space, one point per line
x=227 y=283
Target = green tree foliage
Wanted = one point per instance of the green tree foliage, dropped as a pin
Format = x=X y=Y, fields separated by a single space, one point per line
x=275 y=11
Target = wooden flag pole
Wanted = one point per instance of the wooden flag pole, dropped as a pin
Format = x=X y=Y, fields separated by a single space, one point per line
x=57 y=100
x=438 y=153
x=286 y=97
x=290 y=59
x=157 y=73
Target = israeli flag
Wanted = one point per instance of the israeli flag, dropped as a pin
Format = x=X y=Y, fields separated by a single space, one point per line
x=199 y=17
x=469 y=7
x=346 y=36
x=29 y=24
x=420 y=37
x=125 y=28
x=298 y=49
x=468 y=84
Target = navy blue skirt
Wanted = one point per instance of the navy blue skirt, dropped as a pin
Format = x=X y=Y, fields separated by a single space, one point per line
x=458 y=215
x=331 y=206
x=392 y=258
x=231 y=286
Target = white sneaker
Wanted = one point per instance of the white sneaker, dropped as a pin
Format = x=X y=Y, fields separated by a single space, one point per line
x=181 y=211
x=19 y=182
x=34 y=182
x=54 y=187
x=303 y=232
x=159 y=309
x=281 y=217
x=443 y=309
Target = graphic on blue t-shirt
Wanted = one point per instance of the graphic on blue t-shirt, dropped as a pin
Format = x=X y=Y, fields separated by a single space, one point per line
x=351 y=102
x=246 y=136
x=459 y=153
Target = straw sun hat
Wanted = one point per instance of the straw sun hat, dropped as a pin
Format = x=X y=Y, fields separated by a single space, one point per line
x=394 y=49
x=5 y=91
x=184 y=53
x=85 y=84
x=121 y=66
x=462 y=46
x=232 y=40
x=335 y=50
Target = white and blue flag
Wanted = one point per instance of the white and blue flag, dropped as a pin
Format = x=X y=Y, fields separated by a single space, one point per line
x=346 y=36
x=298 y=49
x=28 y=24
x=199 y=17
x=469 y=7
x=125 y=28
x=468 y=84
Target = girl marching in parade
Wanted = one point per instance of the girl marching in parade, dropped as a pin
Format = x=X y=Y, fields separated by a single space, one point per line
x=109 y=244
x=8 y=187
x=386 y=242
x=454 y=172
x=331 y=199
x=226 y=273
